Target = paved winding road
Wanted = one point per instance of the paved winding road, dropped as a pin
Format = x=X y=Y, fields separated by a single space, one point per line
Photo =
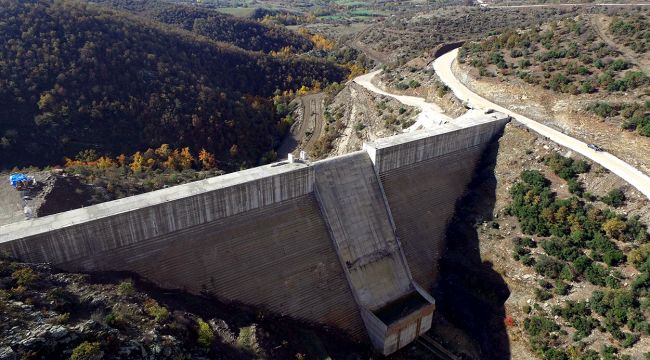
x=627 y=172
x=430 y=114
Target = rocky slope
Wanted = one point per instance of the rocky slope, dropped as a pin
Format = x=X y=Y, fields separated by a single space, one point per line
x=47 y=314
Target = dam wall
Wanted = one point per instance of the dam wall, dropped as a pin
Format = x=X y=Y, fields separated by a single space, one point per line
x=423 y=174
x=351 y=242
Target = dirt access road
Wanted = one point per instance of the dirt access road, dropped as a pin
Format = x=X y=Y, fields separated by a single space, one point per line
x=304 y=134
x=601 y=24
x=430 y=115
x=443 y=67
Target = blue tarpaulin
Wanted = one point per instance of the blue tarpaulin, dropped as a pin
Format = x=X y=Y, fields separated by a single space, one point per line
x=14 y=179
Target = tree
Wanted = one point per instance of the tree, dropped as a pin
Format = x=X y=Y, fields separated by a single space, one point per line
x=614 y=198
x=45 y=101
x=207 y=160
x=234 y=151
x=104 y=162
x=136 y=164
x=172 y=161
x=163 y=151
x=185 y=159
x=121 y=159
x=614 y=228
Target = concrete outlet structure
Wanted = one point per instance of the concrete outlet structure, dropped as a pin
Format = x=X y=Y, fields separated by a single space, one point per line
x=351 y=242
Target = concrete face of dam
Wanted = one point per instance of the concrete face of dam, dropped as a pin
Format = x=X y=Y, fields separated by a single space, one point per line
x=351 y=242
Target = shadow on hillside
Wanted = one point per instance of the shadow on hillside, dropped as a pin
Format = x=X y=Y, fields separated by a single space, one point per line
x=279 y=337
x=470 y=294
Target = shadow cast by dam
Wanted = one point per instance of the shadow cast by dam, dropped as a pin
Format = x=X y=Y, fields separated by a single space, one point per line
x=309 y=339
x=470 y=294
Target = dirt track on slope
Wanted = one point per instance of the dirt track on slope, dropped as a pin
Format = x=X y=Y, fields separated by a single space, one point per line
x=601 y=24
x=308 y=129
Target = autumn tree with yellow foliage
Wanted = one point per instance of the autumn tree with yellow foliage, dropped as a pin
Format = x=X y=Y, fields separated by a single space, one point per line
x=321 y=42
x=207 y=160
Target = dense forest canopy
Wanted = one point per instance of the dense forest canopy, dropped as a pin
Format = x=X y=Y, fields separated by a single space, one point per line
x=75 y=76
x=245 y=33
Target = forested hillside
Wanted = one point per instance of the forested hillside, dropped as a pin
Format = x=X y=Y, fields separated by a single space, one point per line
x=76 y=77
x=244 y=33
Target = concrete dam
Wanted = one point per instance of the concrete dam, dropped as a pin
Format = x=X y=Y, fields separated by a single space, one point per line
x=351 y=242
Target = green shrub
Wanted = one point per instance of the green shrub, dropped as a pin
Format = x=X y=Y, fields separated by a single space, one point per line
x=590 y=355
x=555 y=354
x=151 y=307
x=529 y=242
x=609 y=352
x=402 y=86
x=126 y=288
x=630 y=339
x=60 y=299
x=87 y=351
x=25 y=276
x=575 y=187
x=602 y=109
x=582 y=263
x=596 y=274
x=562 y=288
x=548 y=267
x=121 y=316
x=540 y=326
x=205 y=335
x=641 y=283
x=527 y=260
x=618 y=65
x=543 y=294
x=615 y=198
x=414 y=84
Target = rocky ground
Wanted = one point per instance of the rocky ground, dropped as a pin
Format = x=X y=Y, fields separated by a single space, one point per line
x=46 y=314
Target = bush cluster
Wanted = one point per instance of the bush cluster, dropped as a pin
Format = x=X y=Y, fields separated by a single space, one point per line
x=580 y=243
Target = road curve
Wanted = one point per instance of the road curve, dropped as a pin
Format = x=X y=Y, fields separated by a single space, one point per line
x=442 y=66
x=430 y=114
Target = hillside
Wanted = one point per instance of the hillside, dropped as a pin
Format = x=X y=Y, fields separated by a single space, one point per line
x=572 y=56
x=244 y=33
x=47 y=314
x=76 y=77
x=403 y=38
x=549 y=259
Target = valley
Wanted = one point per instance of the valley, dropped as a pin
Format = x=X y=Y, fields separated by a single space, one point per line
x=545 y=256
